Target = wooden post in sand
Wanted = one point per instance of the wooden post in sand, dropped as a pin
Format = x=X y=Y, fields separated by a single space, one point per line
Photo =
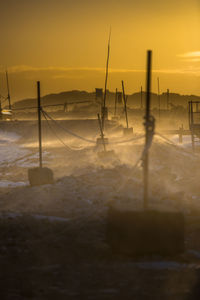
x=40 y=175
x=125 y=101
x=39 y=125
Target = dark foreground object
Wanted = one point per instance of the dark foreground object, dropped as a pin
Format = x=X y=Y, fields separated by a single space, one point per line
x=127 y=131
x=40 y=176
x=42 y=259
x=145 y=232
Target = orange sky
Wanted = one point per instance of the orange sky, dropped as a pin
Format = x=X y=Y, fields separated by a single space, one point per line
x=63 y=43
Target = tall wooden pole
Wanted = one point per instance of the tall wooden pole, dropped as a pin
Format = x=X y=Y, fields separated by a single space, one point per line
x=141 y=98
x=125 y=100
x=39 y=125
x=106 y=80
x=147 y=118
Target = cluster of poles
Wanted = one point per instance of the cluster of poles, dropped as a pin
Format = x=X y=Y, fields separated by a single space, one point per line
x=147 y=122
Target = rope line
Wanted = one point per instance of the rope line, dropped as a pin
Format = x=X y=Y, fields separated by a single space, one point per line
x=88 y=140
x=7 y=164
x=171 y=143
x=51 y=105
x=68 y=131
x=127 y=141
x=54 y=132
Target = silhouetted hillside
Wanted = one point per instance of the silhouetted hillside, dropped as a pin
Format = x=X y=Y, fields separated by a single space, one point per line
x=134 y=100
x=61 y=98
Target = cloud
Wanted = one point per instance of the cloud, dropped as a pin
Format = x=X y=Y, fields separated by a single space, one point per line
x=190 y=56
x=194 y=54
x=67 y=72
x=25 y=68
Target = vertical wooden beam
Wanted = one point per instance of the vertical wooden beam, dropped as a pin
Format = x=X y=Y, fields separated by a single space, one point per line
x=147 y=118
x=39 y=124
x=106 y=80
x=125 y=100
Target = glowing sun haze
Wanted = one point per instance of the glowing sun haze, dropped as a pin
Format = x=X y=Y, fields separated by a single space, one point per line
x=63 y=43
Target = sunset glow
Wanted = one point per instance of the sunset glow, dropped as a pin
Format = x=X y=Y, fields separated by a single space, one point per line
x=64 y=44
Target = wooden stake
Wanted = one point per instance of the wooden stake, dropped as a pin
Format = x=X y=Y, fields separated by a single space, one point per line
x=147 y=118
x=125 y=101
x=39 y=125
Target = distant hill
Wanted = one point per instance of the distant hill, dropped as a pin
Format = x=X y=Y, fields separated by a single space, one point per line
x=60 y=98
x=134 y=100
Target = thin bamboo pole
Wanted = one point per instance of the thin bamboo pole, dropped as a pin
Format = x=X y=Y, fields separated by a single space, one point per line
x=147 y=118
x=106 y=81
x=125 y=101
x=39 y=125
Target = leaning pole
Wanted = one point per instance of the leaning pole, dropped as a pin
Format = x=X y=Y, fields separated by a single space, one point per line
x=147 y=119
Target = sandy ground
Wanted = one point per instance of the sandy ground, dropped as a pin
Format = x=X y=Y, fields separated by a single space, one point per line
x=52 y=238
